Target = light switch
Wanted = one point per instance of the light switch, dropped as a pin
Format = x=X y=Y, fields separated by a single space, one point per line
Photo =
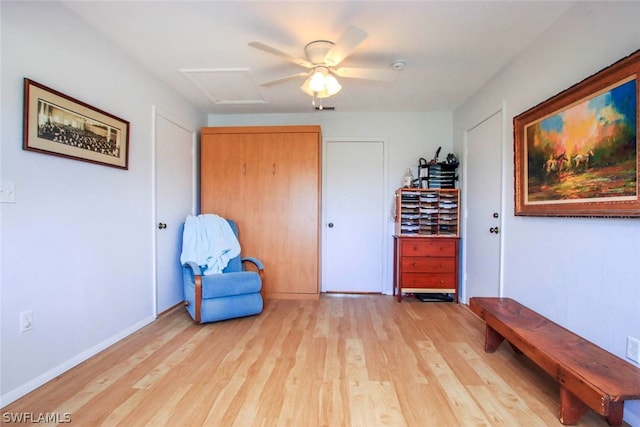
x=7 y=192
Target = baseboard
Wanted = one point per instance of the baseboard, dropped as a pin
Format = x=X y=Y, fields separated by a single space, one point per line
x=33 y=384
x=291 y=295
x=170 y=309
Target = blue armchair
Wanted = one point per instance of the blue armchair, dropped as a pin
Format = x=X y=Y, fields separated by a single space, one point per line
x=235 y=292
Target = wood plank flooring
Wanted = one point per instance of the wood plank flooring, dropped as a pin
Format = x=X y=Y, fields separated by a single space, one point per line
x=345 y=360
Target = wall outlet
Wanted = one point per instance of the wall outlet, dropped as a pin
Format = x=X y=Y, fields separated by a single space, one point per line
x=26 y=321
x=7 y=192
x=633 y=349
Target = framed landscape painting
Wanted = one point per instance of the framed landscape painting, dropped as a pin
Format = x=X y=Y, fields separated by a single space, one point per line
x=576 y=154
x=57 y=124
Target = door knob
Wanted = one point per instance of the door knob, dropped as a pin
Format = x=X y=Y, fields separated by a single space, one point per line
x=495 y=230
x=330 y=225
x=162 y=225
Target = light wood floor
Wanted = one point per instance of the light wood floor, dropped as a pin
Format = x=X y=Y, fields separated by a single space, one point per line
x=340 y=361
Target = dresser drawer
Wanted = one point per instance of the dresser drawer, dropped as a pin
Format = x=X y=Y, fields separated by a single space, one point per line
x=428 y=280
x=425 y=265
x=428 y=265
x=428 y=247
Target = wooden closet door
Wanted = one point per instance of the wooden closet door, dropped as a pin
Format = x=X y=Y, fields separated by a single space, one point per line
x=268 y=180
x=223 y=175
x=271 y=230
x=230 y=171
x=255 y=211
x=290 y=213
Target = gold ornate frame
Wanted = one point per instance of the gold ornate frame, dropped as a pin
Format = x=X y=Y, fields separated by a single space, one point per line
x=576 y=154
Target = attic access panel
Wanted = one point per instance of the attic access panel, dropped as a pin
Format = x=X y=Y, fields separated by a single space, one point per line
x=231 y=86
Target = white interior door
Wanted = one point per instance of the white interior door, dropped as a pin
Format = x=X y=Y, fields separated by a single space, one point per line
x=174 y=201
x=483 y=190
x=354 y=217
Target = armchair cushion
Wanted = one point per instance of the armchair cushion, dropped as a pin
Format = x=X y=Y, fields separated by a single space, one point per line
x=224 y=284
x=217 y=309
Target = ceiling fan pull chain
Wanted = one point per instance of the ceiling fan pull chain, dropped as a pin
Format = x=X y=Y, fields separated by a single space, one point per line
x=313 y=102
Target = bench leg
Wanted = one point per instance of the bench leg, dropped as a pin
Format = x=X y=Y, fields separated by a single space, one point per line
x=616 y=410
x=492 y=339
x=571 y=408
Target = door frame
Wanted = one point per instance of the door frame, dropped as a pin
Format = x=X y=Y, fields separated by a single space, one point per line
x=500 y=109
x=155 y=113
x=386 y=285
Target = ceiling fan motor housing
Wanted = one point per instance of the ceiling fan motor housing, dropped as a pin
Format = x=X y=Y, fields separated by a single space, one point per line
x=317 y=50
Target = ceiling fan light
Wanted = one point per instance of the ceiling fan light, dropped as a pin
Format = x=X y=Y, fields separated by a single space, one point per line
x=321 y=84
x=323 y=94
x=331 y=85
x=306 y=86
x=317 y=82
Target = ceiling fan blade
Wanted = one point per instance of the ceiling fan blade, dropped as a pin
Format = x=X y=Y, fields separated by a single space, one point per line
x=346 y=44
x=284 y=79
x=376 y=74
x=265 y=48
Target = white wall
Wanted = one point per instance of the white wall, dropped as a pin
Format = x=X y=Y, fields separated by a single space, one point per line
x=408 y=136
x=582 y=273
x=77 y=244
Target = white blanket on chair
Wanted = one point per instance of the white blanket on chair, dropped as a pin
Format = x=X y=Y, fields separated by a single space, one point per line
x=209 y=241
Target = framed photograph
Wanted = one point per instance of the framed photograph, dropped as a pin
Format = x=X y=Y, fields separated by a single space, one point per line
x=57 y=124
x=576 y=154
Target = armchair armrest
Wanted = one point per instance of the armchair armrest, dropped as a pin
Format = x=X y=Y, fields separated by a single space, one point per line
x=195 y=268
x=258 y=264
x=254 y=261
x=197 y=278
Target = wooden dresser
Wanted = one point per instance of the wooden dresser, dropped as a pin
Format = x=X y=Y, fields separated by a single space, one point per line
x=426 y=242
x=425 y=265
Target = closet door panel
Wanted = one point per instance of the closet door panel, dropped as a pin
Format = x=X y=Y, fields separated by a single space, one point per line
x=223 y=179
x=273 y=221
x=255 y=211
x=301 y=157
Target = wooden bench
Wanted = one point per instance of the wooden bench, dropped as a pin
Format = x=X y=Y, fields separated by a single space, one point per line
x=589 y=376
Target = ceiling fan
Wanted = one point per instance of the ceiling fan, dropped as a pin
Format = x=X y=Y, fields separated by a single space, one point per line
x=323 y=58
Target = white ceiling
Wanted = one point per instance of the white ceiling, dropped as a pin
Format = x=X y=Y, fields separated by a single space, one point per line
x=200 y=48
